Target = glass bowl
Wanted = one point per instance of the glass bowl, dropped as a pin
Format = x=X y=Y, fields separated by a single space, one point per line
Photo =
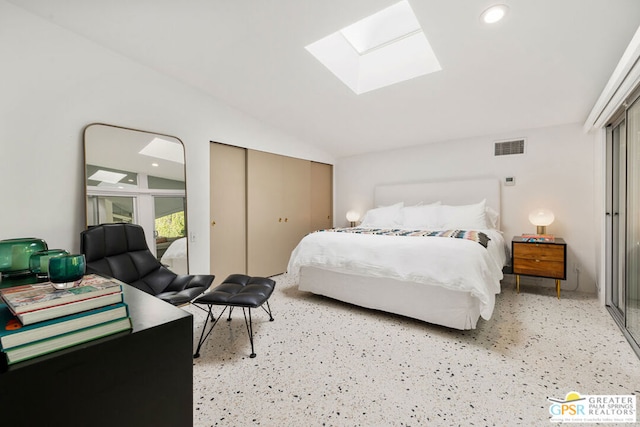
x=66 y=271
x=39 y=261
x=15 y=254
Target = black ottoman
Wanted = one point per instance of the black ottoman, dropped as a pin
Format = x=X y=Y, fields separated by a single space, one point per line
x=237 y=290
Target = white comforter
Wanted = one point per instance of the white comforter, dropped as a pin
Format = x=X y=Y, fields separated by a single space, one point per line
x=452 y=263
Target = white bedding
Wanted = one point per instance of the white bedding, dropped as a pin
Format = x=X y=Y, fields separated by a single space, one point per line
x=451 y=263
x=175 y=257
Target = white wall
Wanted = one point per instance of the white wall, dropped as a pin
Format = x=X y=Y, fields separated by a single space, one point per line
x=556 y=172
x=53 y=83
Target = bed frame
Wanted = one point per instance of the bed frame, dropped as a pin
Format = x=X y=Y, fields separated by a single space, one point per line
x=433 y=304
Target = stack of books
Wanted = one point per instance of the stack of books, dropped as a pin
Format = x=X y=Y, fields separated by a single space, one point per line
x=538 y=238
x=38 y=319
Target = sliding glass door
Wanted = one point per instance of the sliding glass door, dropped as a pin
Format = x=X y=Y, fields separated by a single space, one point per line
x=623 y=221
x=104 y=208
x=632 y=282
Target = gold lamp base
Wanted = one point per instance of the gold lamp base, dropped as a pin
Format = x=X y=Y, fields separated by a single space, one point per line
x=541 y=229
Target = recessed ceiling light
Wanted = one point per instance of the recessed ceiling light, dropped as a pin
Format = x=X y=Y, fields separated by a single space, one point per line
x=155 y=165
x=494 y=14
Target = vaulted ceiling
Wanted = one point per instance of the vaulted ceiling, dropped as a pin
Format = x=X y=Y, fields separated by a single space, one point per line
x=545 y=64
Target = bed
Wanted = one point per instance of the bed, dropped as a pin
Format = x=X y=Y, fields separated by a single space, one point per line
x=407 y=257
x=175 y=257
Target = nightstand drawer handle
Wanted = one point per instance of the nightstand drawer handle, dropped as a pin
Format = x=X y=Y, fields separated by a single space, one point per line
x=537 y=260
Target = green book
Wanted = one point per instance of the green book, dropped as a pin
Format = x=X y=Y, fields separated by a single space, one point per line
x=69 y=339
x=13 y=333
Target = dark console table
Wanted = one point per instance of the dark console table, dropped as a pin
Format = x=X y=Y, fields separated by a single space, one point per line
x=139 y=378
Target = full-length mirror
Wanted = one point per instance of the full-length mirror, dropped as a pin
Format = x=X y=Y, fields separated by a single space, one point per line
x=138 y=177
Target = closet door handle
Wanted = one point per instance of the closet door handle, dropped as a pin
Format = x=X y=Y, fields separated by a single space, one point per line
x=279 y=219
x=286 y=220
x=213 y=223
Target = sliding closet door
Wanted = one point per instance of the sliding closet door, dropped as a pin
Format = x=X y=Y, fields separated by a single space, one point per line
x=321 y=196
x=296 y=204
x=227 y=210
x=278 y=210
x=264 y=213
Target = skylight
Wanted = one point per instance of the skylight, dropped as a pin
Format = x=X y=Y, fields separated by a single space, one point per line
x=385 y=48
x=163 y=149
x=107 y=176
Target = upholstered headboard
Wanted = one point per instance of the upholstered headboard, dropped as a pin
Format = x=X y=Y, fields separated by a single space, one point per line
x=459 y=192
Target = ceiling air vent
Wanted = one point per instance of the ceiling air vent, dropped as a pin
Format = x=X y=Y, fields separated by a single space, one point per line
x=506 y=148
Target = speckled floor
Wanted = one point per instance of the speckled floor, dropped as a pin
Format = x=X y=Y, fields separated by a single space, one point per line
x=326 y=363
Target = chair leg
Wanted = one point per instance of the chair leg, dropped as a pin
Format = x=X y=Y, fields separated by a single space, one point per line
x=230 y=311
x=203 y=337
x=249 y=325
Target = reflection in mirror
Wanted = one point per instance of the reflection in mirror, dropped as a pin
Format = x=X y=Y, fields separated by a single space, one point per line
x=138 y=177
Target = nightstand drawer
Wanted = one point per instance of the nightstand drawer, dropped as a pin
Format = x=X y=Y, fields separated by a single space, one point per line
x=537 y=267
x=538 y=251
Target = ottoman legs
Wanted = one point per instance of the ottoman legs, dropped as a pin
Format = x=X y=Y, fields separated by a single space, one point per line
x=237 y=290
x=204 y=327
x=214 y=320
x=250 y=325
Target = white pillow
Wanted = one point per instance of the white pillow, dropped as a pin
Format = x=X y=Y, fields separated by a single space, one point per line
x=425 y=216
x=465 y=217
x=384 y=216
x=492 y=218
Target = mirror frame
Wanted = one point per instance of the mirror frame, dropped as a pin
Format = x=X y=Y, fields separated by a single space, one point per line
x=127 y=193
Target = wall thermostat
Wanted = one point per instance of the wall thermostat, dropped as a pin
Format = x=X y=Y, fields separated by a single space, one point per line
x=510 y=180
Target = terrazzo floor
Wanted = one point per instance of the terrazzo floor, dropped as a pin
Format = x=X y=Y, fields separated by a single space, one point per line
x=326 y=363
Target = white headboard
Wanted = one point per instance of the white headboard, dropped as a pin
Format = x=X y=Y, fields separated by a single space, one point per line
x=461 y=192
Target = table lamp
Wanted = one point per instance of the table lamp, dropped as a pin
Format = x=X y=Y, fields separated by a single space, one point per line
x=353 y=217
x=541 y=218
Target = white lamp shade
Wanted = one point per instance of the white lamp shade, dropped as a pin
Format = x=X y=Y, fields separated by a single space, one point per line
x=541 y=217
x=353 y=216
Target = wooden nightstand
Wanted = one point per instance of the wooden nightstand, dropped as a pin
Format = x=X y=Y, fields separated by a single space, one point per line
x=539 y=259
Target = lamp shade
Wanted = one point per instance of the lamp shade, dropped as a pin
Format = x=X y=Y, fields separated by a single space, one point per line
x=541 y=218
x=353 y=216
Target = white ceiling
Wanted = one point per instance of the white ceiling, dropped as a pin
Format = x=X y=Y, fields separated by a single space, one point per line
x=544 y=65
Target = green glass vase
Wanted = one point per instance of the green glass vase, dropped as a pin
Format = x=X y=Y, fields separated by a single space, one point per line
x=39 y=261
x=66 y=271
x=15 y=254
